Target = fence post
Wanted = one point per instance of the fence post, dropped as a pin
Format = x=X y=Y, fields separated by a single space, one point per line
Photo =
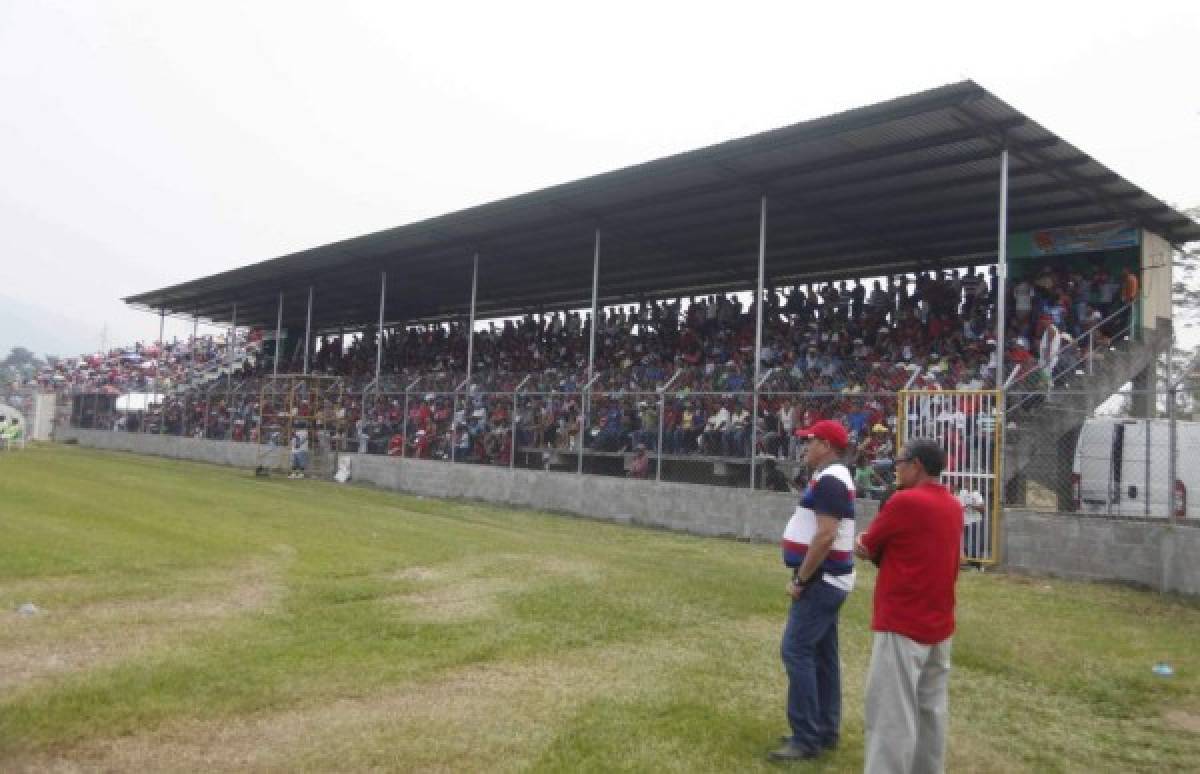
x=404 y=426
x=1091 y=345
x=454 y=423
x=662 y=408
x=512 y=452
x=1172 y=456
x=1149 y=425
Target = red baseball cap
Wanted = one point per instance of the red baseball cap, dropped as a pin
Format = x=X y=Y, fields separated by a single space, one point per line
x=827 y=430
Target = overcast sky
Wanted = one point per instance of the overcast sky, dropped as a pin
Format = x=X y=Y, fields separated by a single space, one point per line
x=148 y=143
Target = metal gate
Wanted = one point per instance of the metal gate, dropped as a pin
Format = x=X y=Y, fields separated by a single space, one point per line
x=969 y=426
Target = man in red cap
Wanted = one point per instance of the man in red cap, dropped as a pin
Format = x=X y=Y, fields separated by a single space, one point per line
x=817 y=544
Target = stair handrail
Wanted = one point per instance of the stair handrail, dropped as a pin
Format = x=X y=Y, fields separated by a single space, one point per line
x=1062 y=369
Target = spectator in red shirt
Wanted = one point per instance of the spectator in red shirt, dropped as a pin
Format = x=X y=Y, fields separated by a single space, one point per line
x=916 y=540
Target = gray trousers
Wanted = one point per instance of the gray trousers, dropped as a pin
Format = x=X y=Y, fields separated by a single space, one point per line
x=906 y=706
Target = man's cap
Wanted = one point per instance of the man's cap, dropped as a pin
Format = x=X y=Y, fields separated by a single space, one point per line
x=827 y=430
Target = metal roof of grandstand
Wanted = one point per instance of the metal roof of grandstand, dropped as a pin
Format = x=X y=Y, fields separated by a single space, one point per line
x=907 y=184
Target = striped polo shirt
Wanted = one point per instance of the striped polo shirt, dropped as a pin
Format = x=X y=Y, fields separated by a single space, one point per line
x=830 y=492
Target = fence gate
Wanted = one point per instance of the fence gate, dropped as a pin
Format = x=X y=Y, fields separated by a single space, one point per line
x=968 y=425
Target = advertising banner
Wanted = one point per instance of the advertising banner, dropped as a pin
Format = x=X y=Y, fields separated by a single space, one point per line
x=1090 y=238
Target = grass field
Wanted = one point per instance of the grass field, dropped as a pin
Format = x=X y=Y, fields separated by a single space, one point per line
x=195 y=618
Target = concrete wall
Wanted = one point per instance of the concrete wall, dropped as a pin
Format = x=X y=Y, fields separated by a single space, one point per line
x=1156 y=555
x=1156 y=296
x=701 y=510
x=1159 y=556
x=240 y=455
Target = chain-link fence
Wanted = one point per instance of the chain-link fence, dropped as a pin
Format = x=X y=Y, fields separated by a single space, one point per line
x=682 y=435
x=1129 y=455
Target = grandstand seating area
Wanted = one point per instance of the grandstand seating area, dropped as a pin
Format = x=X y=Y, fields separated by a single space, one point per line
x=830 y=350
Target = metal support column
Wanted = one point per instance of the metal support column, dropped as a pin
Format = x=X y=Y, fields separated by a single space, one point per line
x=758 y=323
x=1172 y=455
x=278 y=334
x=162 y=404
x=512 y=457
x=192 y=365
x=308 y=330
x=471 y=323
x=586 y=398
x=1001 y=328
x=1002 y=269
x=404 y=419
x=230 y=348
x=379 y=330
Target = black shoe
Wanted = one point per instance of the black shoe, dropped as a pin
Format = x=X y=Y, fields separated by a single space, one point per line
x=792 y=752
x=829 y=744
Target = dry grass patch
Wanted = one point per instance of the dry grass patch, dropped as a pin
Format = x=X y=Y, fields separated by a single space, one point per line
x=497 y=717
x=470 y=599
x=443 y=595
x=1182 y=720
x=100 y=632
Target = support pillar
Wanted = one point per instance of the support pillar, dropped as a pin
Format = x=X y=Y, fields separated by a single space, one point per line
x=379 y=330
x=758 y=324
x=308 y=330
x=230 y=348
x=278 y=334
x=585 y=404
x=1002 y=271
x=162 y=404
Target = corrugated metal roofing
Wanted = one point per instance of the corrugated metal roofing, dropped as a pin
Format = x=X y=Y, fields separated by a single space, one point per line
x=904 y=184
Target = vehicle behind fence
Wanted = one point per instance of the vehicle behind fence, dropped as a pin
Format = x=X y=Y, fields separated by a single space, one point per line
x=1132 y=455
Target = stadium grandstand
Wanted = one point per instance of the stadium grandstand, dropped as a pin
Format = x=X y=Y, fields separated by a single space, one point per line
x=938 y=242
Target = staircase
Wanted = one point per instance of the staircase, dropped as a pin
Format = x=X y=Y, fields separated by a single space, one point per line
x=1042 y=430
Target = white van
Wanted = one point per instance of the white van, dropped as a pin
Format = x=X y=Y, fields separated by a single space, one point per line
x=1111 y=476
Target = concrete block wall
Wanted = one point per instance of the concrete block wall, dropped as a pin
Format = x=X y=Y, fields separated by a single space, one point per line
x=701 y=510
x=241 y=455
x=1156 y=555
x=1152 y=554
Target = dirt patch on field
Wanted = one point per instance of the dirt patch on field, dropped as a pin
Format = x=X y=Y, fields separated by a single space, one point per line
x=69 y=638
x=435 y=595
x=1182 y=720
x=470 y=599
x=488 y=716
x=419 y=574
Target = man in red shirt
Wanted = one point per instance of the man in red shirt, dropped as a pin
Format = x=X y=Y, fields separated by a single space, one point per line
x=916 y=540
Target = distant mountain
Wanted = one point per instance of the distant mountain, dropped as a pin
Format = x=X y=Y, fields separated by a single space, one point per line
x=43 y=331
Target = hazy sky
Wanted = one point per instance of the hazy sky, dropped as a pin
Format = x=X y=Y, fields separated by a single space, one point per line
x=148 y=143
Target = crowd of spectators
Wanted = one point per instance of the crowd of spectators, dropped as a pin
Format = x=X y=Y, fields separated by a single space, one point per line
x=1052 y=310
x=835 y=350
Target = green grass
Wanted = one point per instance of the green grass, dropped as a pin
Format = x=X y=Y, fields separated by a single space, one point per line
x=198 y=618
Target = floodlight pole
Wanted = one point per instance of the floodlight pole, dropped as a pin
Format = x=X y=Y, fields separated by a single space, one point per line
x=379 y=331
x=308 y=329
x=278 y=334
x=586 y=399
x=758 y=325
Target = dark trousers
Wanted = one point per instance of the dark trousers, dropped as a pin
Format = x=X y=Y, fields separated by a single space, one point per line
x=810 y=656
